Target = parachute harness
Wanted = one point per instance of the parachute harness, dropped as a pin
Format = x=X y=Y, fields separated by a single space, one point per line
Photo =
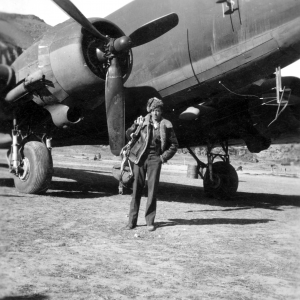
x=125 y=152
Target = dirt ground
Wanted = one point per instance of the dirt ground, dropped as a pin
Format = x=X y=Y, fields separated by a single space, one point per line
x=70 y=242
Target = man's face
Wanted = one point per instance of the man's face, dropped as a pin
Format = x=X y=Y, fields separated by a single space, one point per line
x=156 y=114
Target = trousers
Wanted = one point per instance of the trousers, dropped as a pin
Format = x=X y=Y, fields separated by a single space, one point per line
x=149 y=164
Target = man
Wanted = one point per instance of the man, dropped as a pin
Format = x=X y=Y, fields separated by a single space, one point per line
x=156 y=144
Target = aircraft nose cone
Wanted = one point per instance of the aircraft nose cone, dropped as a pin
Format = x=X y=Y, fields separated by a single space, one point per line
x=122 y=43
x=100 y=55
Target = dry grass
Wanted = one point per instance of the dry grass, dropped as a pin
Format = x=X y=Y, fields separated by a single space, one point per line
x=70 y=243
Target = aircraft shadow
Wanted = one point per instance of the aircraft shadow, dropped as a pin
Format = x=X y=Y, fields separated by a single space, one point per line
x=27 y=297
x=212 y=221
x=104 y=184
x=84 y=184
x=8 y=182
x=240 y=201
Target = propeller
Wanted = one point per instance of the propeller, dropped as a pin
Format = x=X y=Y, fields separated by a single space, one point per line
x=69 y=8
x=115 y=107
x=114 y=90
x=153 y=29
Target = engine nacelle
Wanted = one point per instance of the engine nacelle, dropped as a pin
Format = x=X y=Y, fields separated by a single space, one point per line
x=200 y=110
x=63 y=115
x=72 y=73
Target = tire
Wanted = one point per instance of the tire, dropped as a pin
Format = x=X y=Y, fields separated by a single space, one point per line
x=225 y=183
x=36 y=169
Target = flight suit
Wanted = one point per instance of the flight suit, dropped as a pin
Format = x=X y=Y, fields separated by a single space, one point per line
x=153 y=147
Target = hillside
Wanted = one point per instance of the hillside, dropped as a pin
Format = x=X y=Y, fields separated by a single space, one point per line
x=281 y=154
x=29 y=24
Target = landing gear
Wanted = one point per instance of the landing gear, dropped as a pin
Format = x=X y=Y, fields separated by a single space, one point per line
x=225 y=181
x=30 y=162
x=35 y=169
x=220 y=179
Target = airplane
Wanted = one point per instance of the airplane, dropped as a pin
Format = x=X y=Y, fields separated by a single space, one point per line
x=215 y=63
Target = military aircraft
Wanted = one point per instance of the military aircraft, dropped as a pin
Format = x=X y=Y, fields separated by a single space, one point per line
x=213 y=67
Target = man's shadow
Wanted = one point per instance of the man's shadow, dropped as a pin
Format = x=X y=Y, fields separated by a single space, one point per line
x=212 y=221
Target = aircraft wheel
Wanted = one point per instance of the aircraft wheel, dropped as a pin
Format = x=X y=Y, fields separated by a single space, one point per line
x=225 y=183
x=36 y=169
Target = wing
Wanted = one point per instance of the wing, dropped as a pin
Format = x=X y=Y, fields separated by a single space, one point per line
x=71 y=69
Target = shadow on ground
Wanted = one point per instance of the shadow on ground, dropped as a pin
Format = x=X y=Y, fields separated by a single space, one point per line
x=26 y=297
x=8 y=182
x=84 y=184
x=212 y=221
x=105 y=183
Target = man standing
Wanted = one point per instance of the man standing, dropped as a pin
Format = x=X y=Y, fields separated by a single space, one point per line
x=156 y=144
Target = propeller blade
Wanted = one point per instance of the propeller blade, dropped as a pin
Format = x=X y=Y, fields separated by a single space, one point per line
x=7 y=77
x=69 y=8
x=153 y=29
x=115 y=107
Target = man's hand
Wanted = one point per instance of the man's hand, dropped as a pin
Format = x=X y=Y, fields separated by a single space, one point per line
x=139 y=120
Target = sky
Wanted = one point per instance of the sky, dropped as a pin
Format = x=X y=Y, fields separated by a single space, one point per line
x=48 y=11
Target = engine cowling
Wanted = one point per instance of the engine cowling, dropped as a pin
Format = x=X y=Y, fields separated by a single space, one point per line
x=68 y=56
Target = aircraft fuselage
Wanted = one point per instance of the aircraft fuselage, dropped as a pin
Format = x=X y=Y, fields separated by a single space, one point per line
x=237 y=42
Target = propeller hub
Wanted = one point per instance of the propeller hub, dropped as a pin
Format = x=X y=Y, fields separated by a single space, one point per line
x=101 y=56
x=122 y=44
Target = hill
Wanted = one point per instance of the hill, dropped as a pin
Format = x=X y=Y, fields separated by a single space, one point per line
x=29 y=24
x=282 y=154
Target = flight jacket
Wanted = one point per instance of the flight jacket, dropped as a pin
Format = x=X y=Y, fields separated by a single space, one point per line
x=166 y=147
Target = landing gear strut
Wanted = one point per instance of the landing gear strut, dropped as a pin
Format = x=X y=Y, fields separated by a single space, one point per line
x=220 y=179
x=30 y=161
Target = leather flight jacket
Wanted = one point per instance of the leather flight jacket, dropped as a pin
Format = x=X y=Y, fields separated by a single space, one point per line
x=166 y=147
